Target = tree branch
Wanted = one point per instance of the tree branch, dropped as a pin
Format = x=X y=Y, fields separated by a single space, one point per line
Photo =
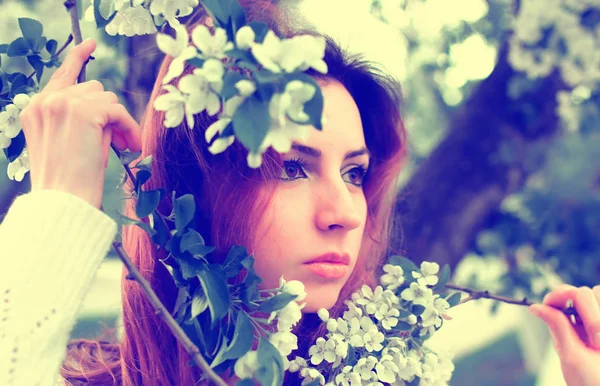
x=134 y=273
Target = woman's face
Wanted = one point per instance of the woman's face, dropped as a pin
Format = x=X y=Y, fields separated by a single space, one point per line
x=318 y=210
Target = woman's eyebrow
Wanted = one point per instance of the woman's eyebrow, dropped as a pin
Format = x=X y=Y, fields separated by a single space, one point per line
x=311 y=151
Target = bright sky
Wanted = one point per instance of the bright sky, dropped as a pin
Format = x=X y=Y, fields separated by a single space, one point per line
x=350 y=22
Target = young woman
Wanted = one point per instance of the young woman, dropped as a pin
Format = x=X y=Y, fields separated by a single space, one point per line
x=331 y=195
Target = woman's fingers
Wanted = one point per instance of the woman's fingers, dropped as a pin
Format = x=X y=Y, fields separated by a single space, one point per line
x=105 y=97
x=587 y=306
x=566 y=340
x=127 y=127
x=66 y=75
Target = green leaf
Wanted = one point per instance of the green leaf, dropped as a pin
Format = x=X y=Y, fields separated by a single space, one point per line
x=350 y=359
x=251 y=122
x=51 y=46
x=128 y=157
x=199 y=302
x=141 y=177
x=99 y=6
x=193 y=243
x=40 y=44
x=242 y=338
x=20 y=85
x=418 y=309
x=191 y=267
x=124 y=220
x=145 y=163
x=237 y=18
x=454 y=299
x=233 y=262
x=216 y=290
x=148 y=202
x=36 y=62
x=3 y=48
x=229 y=80
x=270 y=364
x=185 y=208
x=162 y=232
x=260 y=30
x=219 y=10
x=276 y=302
x=17 y=144
x=245 y=382
x=19 y=47
x=443 y=278
x=402 y=326
x=31 y=29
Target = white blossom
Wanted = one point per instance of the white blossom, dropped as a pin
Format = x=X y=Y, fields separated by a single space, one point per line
x=10 y=122
x=297 y=364
x=202 y=87
x=244 y=37
x=348 y=377
x=21 y=100
x=393 y=277
x=323 y=314
x=173 y=102
x=19 y=167
x=211 y=46
x=322 y=350
x=293 y=287
x=288 y=316
x=386 y=369
x=364 y=367
x=310 y=374
x=284 y=341
x=298 y=53
x=418 y=294
x=428 y=274
x=245 y=87
x=131 y=21
x=170 y=9
x=246 y=365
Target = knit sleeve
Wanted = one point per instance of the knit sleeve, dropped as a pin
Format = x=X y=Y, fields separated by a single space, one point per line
x=51 y=245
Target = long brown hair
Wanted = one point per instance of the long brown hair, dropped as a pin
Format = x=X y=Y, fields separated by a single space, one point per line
x=228 y=202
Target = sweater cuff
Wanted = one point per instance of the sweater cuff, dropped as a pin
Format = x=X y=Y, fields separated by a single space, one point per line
x=70 y=237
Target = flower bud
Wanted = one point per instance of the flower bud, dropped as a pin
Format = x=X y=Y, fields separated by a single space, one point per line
x=323 y=314
x=245 y=37
x=21 y=100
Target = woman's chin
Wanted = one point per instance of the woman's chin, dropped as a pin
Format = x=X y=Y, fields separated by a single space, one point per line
x=316 y=301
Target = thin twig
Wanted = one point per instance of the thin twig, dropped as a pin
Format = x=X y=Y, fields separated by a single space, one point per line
x=189 y=346
x=134 y=274
x=474 y=295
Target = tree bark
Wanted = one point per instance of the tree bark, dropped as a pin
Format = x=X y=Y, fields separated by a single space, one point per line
x=452 y=194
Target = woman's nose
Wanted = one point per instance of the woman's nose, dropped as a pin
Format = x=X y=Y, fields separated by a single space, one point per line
x=338 y=209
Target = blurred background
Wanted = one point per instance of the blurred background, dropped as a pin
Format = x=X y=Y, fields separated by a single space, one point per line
x=502 y=104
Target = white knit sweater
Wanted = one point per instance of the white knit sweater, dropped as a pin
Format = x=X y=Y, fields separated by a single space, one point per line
x=51 y=245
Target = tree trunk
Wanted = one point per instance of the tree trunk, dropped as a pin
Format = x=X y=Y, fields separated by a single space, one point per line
x=449 y=198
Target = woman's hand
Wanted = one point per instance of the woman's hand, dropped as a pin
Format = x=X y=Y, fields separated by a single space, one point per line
x=69 y=128
x=578 y=346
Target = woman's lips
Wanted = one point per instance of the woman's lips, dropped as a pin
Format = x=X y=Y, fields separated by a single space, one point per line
x=329 y=270
x=330 y=265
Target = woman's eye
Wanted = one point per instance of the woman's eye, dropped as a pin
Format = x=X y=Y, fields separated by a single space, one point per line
x=356 y=176
x=292 y=170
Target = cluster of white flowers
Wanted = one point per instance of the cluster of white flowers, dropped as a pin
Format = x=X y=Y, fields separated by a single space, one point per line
x=202 y=90
x=379 y=338
x=550 y=34
x=283 y=339
x=10 y=127
x=140 y=17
